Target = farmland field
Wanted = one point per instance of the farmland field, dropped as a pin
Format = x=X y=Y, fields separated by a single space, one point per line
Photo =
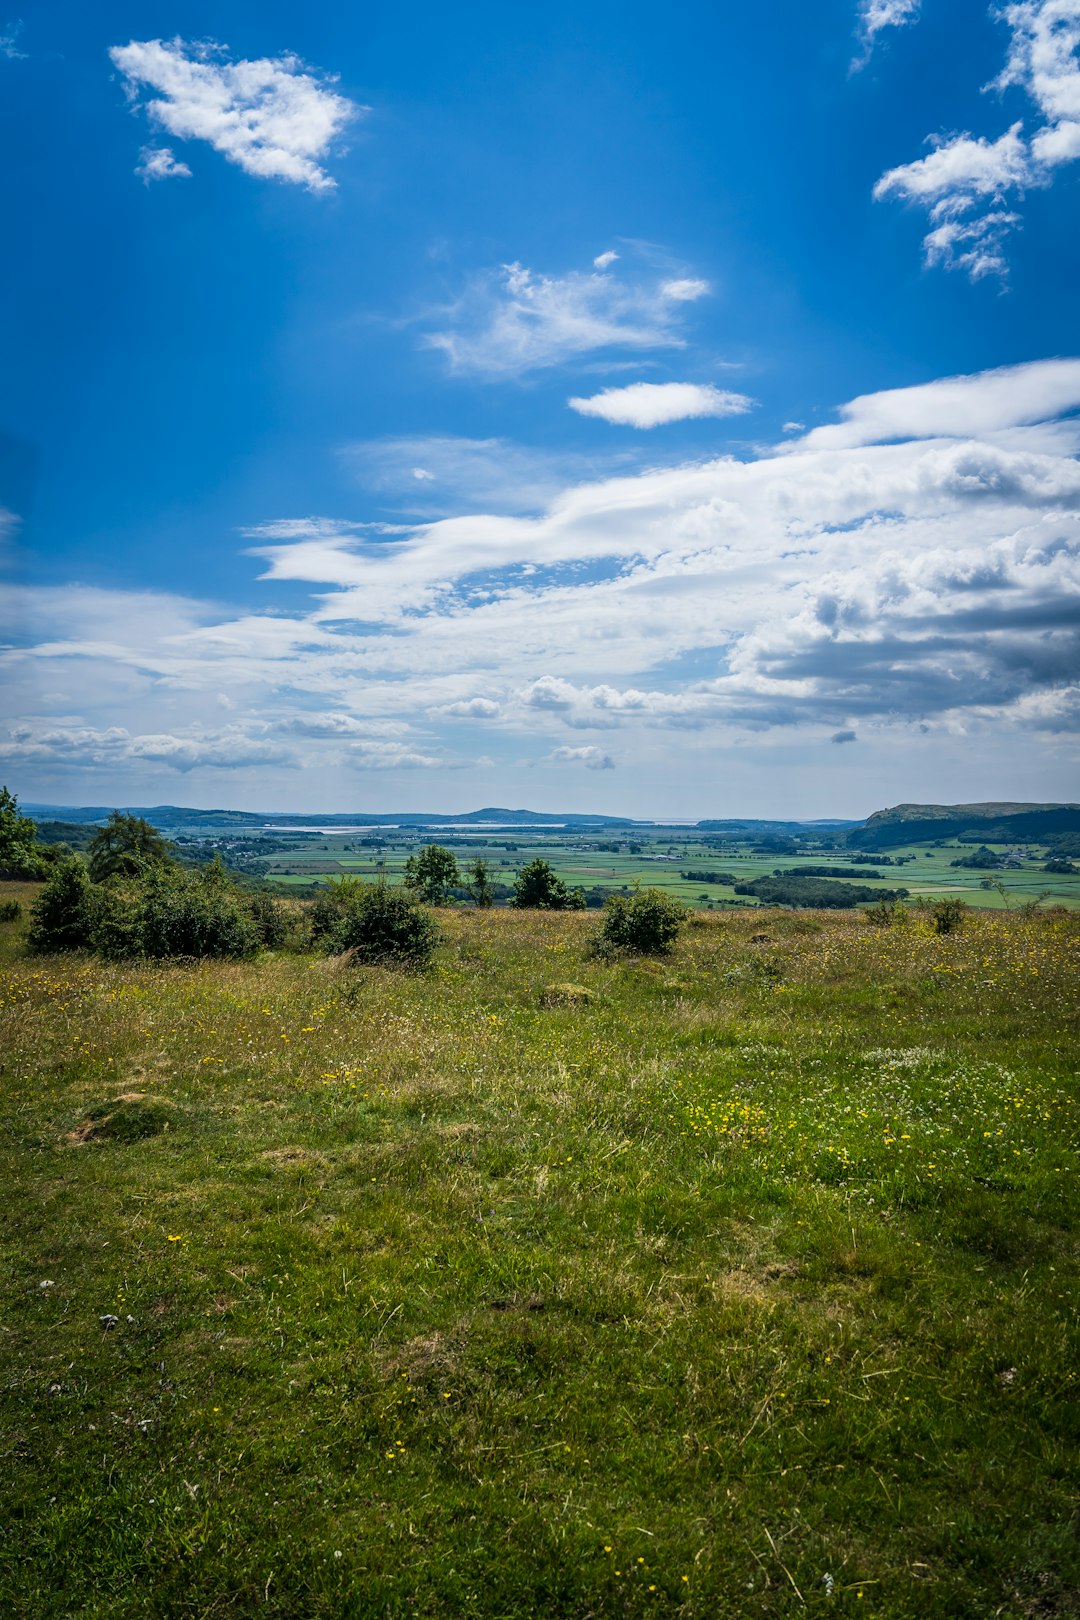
x=737 y=1283
x=659 y=857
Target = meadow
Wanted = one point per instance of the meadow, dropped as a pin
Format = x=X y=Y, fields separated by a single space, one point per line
x=737 y=1283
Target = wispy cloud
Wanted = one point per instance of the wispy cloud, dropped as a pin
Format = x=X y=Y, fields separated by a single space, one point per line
x=649 y=405
x=270 y=116
x=970 y=185
x=9 y=41
x=512 y=320
x=435 y=475
x=877 y=15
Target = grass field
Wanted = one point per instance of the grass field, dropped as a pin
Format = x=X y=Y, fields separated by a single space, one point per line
x=746 y=1286
x=663 y=856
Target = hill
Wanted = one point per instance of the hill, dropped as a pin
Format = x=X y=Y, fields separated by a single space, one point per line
x=985 y=823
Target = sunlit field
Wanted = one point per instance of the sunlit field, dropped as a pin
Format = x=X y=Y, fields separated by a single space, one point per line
x=737 y=1283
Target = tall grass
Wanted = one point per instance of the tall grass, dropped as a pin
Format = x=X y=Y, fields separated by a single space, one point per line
x=746 y=1286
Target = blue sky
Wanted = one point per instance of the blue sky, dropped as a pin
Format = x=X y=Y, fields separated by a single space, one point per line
x=420 y=407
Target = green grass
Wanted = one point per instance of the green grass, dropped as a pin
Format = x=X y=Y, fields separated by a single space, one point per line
x=758 y=1268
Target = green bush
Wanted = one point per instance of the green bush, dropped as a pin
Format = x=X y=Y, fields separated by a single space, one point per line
x=645 y=924
x=537 y=888
x=10 y=911
x=948 y=916
x=377 y=924
x=64 y=916
x=274 y=924
x=191 y=914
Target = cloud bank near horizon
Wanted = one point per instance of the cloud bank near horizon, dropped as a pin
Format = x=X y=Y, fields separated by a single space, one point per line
x=909 y=571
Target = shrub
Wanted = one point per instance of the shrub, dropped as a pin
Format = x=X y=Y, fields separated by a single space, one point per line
x=537 y=888
x=886 y=913
x=380 y=924
x=10 y=911
x=191 y=914
x=330 y=908
x=948 y=915
x=647 y=924
x=65 y=913
x=273 y=924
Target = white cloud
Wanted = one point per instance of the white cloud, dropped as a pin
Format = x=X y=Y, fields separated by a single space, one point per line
x=952 y=407
x=877 y=15
x=593 y=759
x=966 y=182
x=917 y=563
x=269 y=116
x=604 y=261
x=475 y=708
x=513 y=321
x=685 y=289
x=649 y=405
x=160 y=163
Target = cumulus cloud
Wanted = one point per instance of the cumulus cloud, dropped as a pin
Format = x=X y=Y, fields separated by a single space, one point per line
x=593 y=759
x=474 y=708
x=513 y=320
x=968 y=184
x=604 y=261
x=160 y=163
x=649 y=405
x=915 y=564
x=269 y=116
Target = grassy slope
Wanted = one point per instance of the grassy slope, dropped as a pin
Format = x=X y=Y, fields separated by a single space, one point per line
x=759 y=1268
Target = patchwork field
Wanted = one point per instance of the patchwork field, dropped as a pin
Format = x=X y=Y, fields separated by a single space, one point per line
x=660 y=859
x=740 y=1283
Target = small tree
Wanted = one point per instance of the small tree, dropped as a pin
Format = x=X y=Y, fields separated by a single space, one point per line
x=20 y=856
x=646 y=924
x=64 y=915
x=478 y=883
x=538 y=888
x=432 y=872
x=126 y=846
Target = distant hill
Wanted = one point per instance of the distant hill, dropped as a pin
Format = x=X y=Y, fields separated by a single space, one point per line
x=994 y=823
x=175 y=817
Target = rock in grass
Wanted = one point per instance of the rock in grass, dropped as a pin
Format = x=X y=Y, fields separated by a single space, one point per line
x=565 y=995
x=131 y=1117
